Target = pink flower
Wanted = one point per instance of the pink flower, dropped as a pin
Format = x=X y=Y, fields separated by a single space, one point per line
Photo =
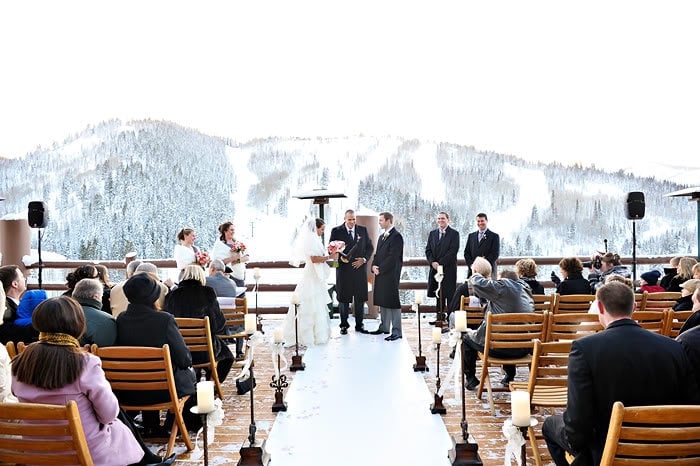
x=238 y=247
x=336 y=246
x=202 y=258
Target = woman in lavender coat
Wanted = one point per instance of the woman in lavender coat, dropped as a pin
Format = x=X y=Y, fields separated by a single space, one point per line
x=55 y=370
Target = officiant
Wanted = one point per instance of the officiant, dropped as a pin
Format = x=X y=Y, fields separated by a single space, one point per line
x=351 y=274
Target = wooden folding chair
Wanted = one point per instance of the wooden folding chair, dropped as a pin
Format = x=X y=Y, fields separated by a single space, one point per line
x=654 y=321
x=548 y=382
x=653 y=435
x=140 y=369
x=675 y=322
x=640 y=301
x=656 y=301
x=46 y=434
x=475 y=314
x=544 y=302
x=572 y=303
x=571 y=326
x=197 y=336
x=11 y=349
x=508 y=331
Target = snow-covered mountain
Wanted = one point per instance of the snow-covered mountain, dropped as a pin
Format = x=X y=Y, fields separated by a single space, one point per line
x=121 y=186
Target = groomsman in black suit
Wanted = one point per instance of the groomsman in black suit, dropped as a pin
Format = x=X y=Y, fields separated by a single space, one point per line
x=351 y=274
x=482 y=243
x=441 y=250
x=386 y=267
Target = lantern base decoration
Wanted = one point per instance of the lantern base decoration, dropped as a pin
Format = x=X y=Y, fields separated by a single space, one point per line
x=254 y=455
x=420 y=366
x=437 y=407
x=464 y=454
x=297 y=364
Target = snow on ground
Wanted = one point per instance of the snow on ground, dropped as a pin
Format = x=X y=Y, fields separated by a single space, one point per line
x=534 y=190
x=425 y=163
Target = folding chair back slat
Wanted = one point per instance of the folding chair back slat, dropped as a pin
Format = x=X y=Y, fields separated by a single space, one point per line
x=661 y=301
x=572 y=326
x=475 y=314
x=544 y=302
x=654 y=321
x=198 y=338
x=676 y=321
x=572 y=303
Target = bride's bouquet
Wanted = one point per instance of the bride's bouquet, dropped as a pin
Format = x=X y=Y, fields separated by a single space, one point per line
x=202 y=258
x=238 y=247
x=335 y=247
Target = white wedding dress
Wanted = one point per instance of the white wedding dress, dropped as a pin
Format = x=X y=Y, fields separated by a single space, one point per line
x=313 y=320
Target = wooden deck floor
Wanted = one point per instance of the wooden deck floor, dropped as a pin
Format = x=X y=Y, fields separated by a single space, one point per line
x=485 y=428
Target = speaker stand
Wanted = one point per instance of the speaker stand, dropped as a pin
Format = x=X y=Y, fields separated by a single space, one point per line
x=634 y=253
x=41 y=264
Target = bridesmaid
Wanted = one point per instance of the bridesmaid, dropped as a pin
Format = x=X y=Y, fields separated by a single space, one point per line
x=229 y=251
x=185 y=251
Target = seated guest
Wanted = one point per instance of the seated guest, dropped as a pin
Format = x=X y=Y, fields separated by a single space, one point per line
x=670 y=272
x=30 y=300
x=55 y=370
x=527 y=271
x=508 y=294
x=5 y=373
x=143 y=325
x=192 y=298
x=610 y=264
x=690 y=342
x=694 y=319
x=223 y=286
x=573 y=283
x=14 y=284
x=84 y=271
x=685 y=302
x=100 y=327
x=648 y=282
x=103 y=276
x=685 y=272
x=152 y=270
x=696 y=271
x=622 y=363
x=619 y=278
x=456 y=301
x=117 y=299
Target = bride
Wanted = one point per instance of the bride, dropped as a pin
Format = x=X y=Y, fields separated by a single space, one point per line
x=312 y=291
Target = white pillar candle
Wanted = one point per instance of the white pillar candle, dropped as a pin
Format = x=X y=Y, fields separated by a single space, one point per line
x=295 y=298
x=419 y=298
x=461 y=321
x=437 y=335
x=251 y=324
x=440 y=270
x=205 y=396
x=256 y=273
x=520 y=408
x=279 y=335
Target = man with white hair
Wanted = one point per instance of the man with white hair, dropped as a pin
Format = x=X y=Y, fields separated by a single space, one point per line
x=223 y=286
x=117 y=299
x=100 y=327
x=143 y=267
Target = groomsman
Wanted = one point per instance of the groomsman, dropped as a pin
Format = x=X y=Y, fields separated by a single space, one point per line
x=386 y=267
x=351 y=274
x=441 y=250
x=482 y=243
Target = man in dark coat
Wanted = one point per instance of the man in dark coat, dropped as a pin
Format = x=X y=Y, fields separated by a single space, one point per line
x=441 y=250
x=386 y=267
x=351 y=274
x=14 y=284
x=622 y=363
x=482 y=243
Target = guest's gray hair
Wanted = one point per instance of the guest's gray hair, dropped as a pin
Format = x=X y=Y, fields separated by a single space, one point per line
x=131 y=268
x=87 y=288
x=147 y=267
x=217 y=264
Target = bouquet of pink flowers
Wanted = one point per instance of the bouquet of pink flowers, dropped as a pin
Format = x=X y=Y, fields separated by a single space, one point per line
x=202 y=258
x=238 y=247
x=335 y=246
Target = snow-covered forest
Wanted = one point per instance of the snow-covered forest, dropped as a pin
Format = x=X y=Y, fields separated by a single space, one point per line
x=123 y=186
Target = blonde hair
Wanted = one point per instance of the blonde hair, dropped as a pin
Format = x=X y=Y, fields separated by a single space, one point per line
x=194 y=272
x=685 y=267
x=526 y=268
x=696 y=268
x=482 y=266
x=619 y=278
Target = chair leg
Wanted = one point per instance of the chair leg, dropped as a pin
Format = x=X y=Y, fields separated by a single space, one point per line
x=533 y=445
x=217 y=383
x=490 y=395
x=179 y=424
x=484 y=376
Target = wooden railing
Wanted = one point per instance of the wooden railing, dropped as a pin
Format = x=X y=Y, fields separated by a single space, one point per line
x=169 y=264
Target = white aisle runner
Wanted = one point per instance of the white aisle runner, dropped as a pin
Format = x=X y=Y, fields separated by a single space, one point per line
x=358 y=403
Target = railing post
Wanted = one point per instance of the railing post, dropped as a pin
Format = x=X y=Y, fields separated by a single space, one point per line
x=14 y=241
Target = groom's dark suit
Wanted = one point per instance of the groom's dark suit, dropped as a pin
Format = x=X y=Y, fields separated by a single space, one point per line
x=489 y=248
x=444 y=252
x=351 y=283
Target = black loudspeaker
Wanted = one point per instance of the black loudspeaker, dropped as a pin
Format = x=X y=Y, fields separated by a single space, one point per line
x=634 y=208
x=38 y=216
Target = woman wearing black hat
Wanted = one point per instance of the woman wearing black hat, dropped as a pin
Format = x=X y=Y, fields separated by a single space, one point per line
x=143 y=325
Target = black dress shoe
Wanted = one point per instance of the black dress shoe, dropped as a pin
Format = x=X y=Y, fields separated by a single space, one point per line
x=472 y=382
x=432 y=322
x=505 y=381
x=343 y=331
x=361 y=330
x=376 y=332
x=392 y=337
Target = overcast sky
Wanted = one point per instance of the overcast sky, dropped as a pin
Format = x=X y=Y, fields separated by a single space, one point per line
x=613 y=83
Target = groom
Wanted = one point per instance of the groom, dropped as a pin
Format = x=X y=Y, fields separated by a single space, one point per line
x=351 y=274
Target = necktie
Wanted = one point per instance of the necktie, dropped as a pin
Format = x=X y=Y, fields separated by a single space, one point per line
x=442 y=233
x=352 y=234
x=481 y=236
